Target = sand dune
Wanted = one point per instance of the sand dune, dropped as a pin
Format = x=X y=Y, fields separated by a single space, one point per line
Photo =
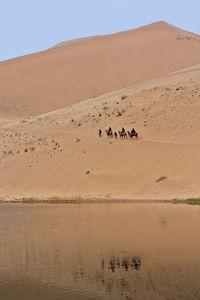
x=60 y=153
x=68 y=74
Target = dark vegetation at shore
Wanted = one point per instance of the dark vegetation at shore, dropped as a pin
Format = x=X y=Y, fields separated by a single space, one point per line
x=193 y=201
x=82 y=200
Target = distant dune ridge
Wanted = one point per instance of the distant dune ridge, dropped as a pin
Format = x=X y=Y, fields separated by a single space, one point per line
x=53 y=103
x=74 y=41
x=74 y=72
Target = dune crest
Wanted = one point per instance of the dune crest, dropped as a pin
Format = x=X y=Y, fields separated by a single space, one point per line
x=64 y=75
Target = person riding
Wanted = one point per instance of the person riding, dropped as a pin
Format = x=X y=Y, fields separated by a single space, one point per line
x=133 y=130
x=110 y=133
x=134 y=133
x=100 y=132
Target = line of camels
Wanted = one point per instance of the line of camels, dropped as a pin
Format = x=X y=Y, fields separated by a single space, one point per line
x=121 y=133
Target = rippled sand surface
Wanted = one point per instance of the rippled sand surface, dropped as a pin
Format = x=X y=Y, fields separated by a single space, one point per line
x=99 y=251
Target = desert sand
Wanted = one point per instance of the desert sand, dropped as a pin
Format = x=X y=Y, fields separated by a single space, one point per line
x=64 y=75
x=53 y=103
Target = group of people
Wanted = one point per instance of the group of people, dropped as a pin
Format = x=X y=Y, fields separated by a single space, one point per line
x=122 y=134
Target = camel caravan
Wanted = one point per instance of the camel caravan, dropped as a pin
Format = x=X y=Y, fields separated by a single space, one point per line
x=121 y=134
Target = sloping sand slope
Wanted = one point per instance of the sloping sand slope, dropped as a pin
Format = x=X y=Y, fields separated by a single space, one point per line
x=77 y=71
x=60 y=153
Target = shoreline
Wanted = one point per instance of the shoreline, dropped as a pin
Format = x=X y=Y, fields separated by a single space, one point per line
x=192 y=201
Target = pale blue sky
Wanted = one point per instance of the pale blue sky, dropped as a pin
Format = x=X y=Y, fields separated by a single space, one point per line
x=28 y=26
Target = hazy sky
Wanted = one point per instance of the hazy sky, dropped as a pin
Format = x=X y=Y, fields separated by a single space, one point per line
x=28 y=26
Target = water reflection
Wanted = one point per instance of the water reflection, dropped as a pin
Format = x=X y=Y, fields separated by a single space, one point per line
x=99 y=252
x=119 y=264
x=125 y=262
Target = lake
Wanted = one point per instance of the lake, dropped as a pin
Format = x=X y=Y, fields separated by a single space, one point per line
x=99 y=251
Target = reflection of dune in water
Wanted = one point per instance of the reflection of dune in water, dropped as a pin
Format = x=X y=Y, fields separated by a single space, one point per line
x=94 y=251
x=126 y=263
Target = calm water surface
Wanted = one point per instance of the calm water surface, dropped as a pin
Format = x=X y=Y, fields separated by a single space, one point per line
x=99 y=251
